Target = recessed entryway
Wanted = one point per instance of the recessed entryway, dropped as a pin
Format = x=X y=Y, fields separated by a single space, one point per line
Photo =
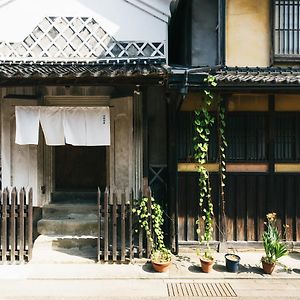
x=80 y=168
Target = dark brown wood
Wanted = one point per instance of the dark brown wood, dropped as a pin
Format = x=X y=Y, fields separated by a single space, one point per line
x=21 y=223
x=99 y=224
x=30 y=223
x=4 y=224
x=123 y=228
x=172 y=170
x=80 y=167
x=114 y=229
x=105 y=208
x=241 y=208
x=261 y=205
x=140 y=235
x=149 y=204
x=289 y=208
x=250 y=209
x=130 y=229
x=12 y=240
x=297 y=208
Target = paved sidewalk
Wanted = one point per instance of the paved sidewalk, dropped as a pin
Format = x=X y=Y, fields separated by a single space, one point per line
x=139 y=281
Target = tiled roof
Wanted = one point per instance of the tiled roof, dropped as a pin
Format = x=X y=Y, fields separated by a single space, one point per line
x=271 y=75
x=11 y=71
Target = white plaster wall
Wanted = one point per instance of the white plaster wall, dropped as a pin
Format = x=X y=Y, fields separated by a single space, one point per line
x=19 y=163
x=127 y=20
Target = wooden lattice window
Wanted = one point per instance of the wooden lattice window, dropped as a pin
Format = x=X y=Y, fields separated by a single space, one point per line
x=287 y=29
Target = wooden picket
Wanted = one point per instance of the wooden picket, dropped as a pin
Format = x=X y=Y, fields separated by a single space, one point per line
x=120 y=239
x=16 y=225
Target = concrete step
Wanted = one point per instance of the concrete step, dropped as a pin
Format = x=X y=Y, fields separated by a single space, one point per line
x=70 y=211
x=77 y=226
x=64 y=249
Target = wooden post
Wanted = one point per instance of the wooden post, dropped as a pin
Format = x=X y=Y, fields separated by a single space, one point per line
x=123 y=224
x=149 y=243
x=30 y=223
x=172 y=171
x=5 y=196
x=141 y=233
x=114 y=229
x=99 y=224
x=21 y=224
x=13 y=225
x=106 y=197
x=131 y=253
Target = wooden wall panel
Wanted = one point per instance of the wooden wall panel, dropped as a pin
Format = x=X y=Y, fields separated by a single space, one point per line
x=247 y=202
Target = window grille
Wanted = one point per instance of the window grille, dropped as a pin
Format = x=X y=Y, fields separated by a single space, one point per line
x=287 y=28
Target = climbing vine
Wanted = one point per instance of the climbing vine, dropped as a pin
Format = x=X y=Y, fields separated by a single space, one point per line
x=203 y=123
x=151 y=220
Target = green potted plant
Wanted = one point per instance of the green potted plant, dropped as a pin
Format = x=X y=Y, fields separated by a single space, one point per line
x=151 y=220
x=273 y=245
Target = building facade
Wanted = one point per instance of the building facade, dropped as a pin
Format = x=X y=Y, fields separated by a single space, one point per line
x=252 y=49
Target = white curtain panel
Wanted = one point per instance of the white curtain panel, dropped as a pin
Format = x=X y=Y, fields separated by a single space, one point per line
x=51 y=118
x=78 y=126
x=97 y=126
x=74 y=126
x=27 y=125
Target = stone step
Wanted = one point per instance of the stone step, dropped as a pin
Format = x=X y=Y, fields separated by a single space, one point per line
x=77 y=226
x=74 y=197
x=70 y=211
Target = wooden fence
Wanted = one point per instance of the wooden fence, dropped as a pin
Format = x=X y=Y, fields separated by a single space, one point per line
x=120 y=237
x=16 y=225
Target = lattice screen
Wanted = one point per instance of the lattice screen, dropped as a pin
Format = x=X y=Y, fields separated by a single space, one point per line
x=76 y=38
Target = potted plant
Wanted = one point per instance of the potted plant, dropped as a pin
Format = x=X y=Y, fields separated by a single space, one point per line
x=151 y=220
x=207 y=260
x=273 y=245
x=232 y=262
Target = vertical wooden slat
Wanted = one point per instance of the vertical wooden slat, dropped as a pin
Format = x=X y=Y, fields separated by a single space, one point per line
x=149 y=243
x=130 y=229
x=4 y=225
x=261 y=205
x=289 y=207
x=123 y=228
x=297 y=208
x=241 y=208
x=21 y=224
x=230 y=207
x=99 y=224
x=141 y=231
x=251 y=206
x=30 y=223
x=114 y=231
x=13 y=225
x=106 y=197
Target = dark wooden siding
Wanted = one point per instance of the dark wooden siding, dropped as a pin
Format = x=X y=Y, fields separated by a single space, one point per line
x=185 y=134
x=247 y=203
x=249 y=196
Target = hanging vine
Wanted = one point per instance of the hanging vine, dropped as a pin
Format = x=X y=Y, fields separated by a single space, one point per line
x=203 y=123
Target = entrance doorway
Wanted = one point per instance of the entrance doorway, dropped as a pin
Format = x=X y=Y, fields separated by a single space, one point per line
x=80 y=168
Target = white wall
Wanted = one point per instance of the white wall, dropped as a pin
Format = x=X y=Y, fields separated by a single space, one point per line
x=127 y=20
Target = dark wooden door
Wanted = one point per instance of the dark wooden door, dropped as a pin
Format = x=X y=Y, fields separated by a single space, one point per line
x=79 y=168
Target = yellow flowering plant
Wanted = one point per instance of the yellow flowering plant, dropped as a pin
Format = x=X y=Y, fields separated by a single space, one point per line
x=273 y=245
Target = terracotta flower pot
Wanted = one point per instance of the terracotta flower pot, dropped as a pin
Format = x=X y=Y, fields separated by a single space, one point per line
x=268 y=267
x=161 y=266
x=206 y=264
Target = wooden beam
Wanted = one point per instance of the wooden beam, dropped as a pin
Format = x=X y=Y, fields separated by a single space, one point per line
x=287 y=168
x=230 y=167
x=193 y=167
